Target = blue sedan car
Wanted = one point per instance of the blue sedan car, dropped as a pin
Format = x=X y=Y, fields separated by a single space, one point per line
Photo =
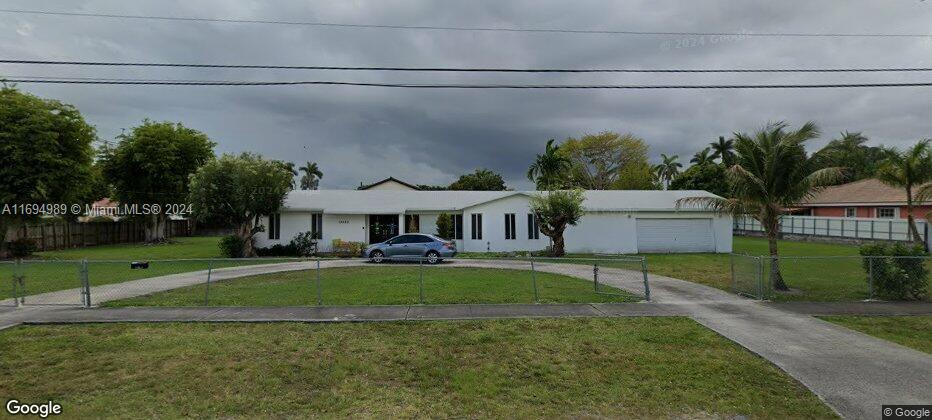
x=412 y=246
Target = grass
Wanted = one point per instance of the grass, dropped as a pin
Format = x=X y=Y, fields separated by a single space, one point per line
x=910 y=331
x=627 y=367
x=181 y=247
x=385 y=285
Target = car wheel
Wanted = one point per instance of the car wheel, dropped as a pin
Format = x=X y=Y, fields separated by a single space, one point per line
x=433 y=257
x=377 y=256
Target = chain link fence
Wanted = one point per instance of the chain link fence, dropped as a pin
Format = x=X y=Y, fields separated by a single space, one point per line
x=302 y=282
x=832 y=278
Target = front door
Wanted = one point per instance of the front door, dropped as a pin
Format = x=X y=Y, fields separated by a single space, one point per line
x=382 y=227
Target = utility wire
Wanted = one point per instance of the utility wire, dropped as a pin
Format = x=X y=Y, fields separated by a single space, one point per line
x=88 y=81
x=462 y=69
x=473 y=28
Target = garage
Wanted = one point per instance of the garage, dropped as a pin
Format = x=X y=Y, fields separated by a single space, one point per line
x=675 y=235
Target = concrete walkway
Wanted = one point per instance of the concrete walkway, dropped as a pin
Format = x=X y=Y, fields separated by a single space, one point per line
x=852 y=372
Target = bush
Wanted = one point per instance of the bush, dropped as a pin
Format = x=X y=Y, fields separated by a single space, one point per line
x=304 y=244
x=896 y=278
x=445 y=228
x=278 y=250
x=343 y=248
x=22 y=247
x=231 y=246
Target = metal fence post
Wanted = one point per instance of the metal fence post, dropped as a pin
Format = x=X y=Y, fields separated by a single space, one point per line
x=870 y=278
x=85 y=279
x=534 y=280
x=734 y=279
x=17 y=269
x=319 y=297
x=595 y=277
x=207 y=289
x=644 y=273
x=420 y=287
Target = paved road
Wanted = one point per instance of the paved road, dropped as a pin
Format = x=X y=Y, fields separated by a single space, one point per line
x=852 y=372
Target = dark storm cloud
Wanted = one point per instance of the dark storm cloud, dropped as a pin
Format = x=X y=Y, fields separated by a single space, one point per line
x=360 y=135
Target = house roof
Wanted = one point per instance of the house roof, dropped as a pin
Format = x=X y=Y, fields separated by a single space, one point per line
x=395 y=202
x=389 y=179
x=865 y=191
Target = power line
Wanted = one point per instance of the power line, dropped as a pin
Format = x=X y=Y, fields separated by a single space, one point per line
x=474 y=28
x=461 y=69
x=89 y=81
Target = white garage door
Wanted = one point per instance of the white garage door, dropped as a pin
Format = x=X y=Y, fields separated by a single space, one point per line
x=675 y=235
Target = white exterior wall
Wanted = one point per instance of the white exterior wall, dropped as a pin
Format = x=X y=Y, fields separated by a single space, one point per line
x=493 y=227
x=616 y=232
x=346 y=227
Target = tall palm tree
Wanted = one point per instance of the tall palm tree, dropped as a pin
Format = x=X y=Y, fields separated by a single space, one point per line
x=550 y=169
x=725 y=150
x=312 y=175
x=702 y=157
x=771 y=172
x=912 y=171
x=668 y=169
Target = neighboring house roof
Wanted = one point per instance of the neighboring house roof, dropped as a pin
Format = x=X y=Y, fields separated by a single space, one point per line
x=394 y=202
x=389 y=179
x=865 y=191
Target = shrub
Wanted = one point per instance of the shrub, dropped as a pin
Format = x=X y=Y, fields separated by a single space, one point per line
x=445 y=228
x=896 y=278
x=278 y=250
x=343 y=248
x=231 y=246
x=22 y=247
x=304 y=244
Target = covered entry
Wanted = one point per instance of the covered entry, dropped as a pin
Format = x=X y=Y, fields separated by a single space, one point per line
x=675 y=235
x=382 y=227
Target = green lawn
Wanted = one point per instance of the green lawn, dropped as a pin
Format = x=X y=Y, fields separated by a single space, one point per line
x=389 y=284
x=910 y=331
x=563 y=368
x=180 y=247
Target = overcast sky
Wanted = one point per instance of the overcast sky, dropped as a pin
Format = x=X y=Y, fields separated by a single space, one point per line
x=359 y=134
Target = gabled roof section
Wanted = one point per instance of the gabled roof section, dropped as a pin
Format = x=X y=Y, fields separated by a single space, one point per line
x=865 y=191
x=389 y=179
x=396 y=202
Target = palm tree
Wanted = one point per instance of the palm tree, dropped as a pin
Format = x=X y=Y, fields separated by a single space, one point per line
x=549 y=169
x=771 y=172
x=702 y=157
x=912 y=171
x=312 y=175
x=724 y=149
x=668 y=169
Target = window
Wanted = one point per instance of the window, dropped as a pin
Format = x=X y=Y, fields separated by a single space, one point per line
x=421 y=239
x=317 y=226
x=533 y=229
x=851 y=212
x=476 y=226
x=510 y=226
x=886 y=212
x=412 y=223
x=275 y=222
x=457 y=226
x=403 y=239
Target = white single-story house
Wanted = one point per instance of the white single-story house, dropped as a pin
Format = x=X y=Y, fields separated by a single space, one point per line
x=616 y=222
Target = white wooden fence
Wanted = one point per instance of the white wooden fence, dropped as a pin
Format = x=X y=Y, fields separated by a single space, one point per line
x=840 y=227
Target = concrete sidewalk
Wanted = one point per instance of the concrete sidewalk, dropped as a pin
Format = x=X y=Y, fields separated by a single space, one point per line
x=854 y=373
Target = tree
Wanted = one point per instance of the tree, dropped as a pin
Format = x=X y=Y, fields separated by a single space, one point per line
x=600 y=159
x=237 y=191
x=152 y=165
x=724 y=150
x=910 y=170
x=550 y=169
x=851 y=152
x=668 y=169
x=702 y=157
x=637 y=176
x=445 y=228
x=708 y=177
x=45 y=154
x=312 y=175
x=480 y=180
x=772 y=172
x=554 y=211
